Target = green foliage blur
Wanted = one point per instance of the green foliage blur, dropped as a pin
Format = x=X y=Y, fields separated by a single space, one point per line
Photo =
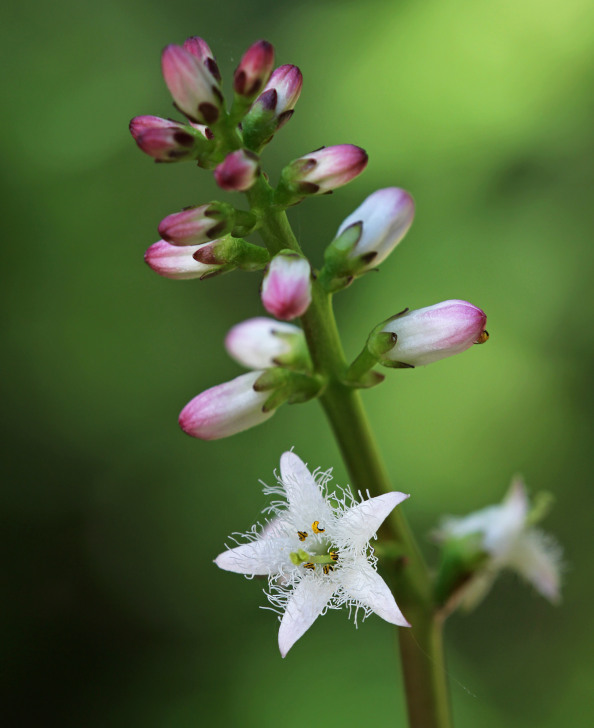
x=114 y=614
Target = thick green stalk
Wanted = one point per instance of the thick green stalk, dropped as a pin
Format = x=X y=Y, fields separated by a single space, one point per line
x=420 y=647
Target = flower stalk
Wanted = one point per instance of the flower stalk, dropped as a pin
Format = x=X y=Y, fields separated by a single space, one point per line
x=420 y=647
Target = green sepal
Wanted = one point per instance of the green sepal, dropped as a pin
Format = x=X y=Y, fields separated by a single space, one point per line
x=339 y=268
x=287 y=386
x=366 y=381
x=297 y=358
x=461 y=559
x=233 y=253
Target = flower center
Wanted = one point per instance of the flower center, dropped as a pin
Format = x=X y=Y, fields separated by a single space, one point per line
x=325 y=555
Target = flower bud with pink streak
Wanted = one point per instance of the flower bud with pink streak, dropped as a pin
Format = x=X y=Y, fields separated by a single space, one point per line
x=260 y=343
x=199 y=48
x=286 y=288
x=321 y=172
x=178 y=262
x=194 y=89
x=419 y=337
x=226 y=409
x=273 y=107
x=163 y=139
x=238 y=171
x=196 y=225
x=254 y=69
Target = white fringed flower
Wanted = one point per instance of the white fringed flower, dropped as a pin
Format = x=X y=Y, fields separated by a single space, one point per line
x=315 y=551
x=508 y=536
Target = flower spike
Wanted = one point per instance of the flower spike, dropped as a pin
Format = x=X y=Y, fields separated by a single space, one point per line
x=315 y=551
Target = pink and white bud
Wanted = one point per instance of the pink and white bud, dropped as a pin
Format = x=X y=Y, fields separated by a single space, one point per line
x=385 y=217
x=162 y=139
x=238 y=171
x=282 y=91
x=197 y=225
x=325 y=169
x=432 y=333
x=226 y=409
x=194 y=89
x=286 y=288
x=260 y=343
x=254 y=69
x=177 y=262
x=199 y=47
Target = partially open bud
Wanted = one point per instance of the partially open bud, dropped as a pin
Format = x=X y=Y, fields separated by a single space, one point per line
x=273 y=107
x=194 y=89
x=238 y=171
x=286 y=289
x=368 y=235
x=260 y=343
x=196 y=225
x=476 y=547
x=254 y=69
x=321 y=172
x=415 y=338
x=177 y=262
x=226 y=409
x=163 y=139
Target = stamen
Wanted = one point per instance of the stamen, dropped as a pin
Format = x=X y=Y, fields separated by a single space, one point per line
x=302 y=535
x=333 y=555
x=315 y=527
x=327 y=568
x=309 y=565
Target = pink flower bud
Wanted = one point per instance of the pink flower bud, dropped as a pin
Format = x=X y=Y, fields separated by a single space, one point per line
x=196 y=225
x=254 y=69
x=260 y=343
x=282 y=90
x=199 y=47
x=385 y=216
x=238 y=171
x=286 y=289
x=429 y=334
x=174 y=261
x=225 y=409
x=194 y=89
x=162 y=139
x=325 y=169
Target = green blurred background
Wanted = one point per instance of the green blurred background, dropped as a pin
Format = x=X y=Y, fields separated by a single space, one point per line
x=114 y=614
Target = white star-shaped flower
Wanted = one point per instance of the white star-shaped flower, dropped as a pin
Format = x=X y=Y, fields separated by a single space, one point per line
x=507 y=534
x=315 y=551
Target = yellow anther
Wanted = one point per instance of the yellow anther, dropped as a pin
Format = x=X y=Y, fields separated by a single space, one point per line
x=315 y=527
x=302 y=535
x=333 y=555
x=327 y=568
x=309 y=565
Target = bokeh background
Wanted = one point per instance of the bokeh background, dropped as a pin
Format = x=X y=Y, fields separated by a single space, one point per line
x=113 y=613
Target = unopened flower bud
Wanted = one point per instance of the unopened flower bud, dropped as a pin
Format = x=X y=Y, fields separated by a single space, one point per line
x=254 y=69
x=196 y=225
x=321 y=172
x=286 y=289
x=238 y=171
x=226 y=409
x=199 y=47
x=415 y=338
x=163 y=139
x=194 y=89
x=260 y=343
x=273 y=107
x=177 y=262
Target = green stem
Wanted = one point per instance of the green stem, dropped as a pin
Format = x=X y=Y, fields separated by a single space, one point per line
x=421 y=646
